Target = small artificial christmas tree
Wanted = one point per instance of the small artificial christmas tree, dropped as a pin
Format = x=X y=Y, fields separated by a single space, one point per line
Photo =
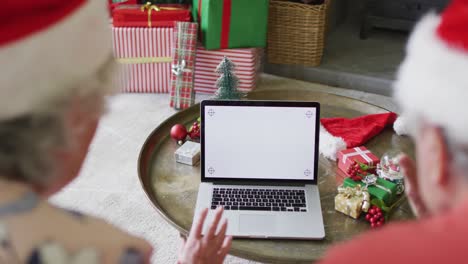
x=227 y=82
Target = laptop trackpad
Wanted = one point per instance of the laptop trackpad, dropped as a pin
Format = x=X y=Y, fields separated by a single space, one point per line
x=253 y=224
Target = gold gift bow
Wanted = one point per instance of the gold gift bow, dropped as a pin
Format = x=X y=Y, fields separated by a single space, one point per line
x=150 y=7
x=349 y=192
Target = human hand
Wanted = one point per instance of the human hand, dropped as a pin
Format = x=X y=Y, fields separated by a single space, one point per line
x=211 y=248
x=412 y=186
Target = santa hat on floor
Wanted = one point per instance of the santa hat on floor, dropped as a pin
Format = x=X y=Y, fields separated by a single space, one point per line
x=432 y=82
x=341 y=133
x=46 y=47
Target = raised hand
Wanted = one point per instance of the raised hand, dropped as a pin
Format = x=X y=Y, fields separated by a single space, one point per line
x=211 y=248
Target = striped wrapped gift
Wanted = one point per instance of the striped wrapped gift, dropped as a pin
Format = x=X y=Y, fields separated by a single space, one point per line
x=247 y=61
x=185 y=47
x=146 y=57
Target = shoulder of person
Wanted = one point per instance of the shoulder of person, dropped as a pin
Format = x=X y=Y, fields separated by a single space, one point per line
x=49 y=231
x=419 y=240
x=110 y=239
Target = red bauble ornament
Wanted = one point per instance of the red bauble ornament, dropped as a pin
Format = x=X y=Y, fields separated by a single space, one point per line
x=178 y=132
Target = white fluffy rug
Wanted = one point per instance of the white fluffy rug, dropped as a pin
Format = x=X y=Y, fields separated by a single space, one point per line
x=108 y=185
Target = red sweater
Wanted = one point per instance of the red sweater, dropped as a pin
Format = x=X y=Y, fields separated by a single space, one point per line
x=441 y=239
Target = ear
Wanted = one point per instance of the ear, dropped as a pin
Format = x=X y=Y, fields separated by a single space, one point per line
x=438 y=156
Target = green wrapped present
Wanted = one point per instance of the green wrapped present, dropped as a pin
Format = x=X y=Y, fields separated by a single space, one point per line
x=380 y=188
x=232 y=23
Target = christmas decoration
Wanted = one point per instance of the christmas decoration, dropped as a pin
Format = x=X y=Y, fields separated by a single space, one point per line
x=194 y=131
x=182 y=89
x=352 y=201
x=377 y=187
x=145 y=69
x=227 y=82
x=340 y=133
x=356 y=171
x=149 y=15
x=375 y=216
x=113 y=4
x=356 y=161
x=188 y=153
x=178 y=133
x=389 y=169
x=248 y=67
x=182 y=2
x=232 y=23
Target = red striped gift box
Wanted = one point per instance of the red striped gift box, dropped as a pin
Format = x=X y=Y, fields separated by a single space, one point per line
x=146 y=57
x=247 y=61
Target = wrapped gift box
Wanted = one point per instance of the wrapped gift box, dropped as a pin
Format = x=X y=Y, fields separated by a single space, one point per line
x=188 y=153
x=145 y=55
x=352 y=201
x=185 y=47
x=113 y=4
x=232 y=23
x=150 y=16
x=247 y=61
x=359 y=154
x=158 y=2
x=383 y=189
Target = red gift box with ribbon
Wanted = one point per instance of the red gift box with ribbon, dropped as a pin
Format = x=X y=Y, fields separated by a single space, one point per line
x=150 y=15
x=362 y=155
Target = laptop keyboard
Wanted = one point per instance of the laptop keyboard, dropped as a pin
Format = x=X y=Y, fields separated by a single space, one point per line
x=259 y=199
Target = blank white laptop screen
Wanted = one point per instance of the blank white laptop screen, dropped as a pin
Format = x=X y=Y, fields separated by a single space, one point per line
x=249 y=142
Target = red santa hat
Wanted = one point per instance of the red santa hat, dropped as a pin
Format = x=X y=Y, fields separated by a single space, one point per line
x=46 y=47
x=432 y=82
x=341 y=133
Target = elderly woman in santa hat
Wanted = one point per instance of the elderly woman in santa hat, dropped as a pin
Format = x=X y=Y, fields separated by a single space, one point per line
x=432 y=89
x=56 y=69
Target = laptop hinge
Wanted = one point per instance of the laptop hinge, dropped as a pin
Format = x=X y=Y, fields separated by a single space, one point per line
x=258 y=183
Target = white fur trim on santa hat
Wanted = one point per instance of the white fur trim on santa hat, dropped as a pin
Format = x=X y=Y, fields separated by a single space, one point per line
x=329 y=145
x=400 y=126
x=432 y=82
x=50 y=62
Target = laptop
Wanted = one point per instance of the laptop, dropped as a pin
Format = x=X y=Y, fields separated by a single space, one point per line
x=259 y=161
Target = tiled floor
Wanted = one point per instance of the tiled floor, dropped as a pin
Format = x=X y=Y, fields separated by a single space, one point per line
x=349 y=62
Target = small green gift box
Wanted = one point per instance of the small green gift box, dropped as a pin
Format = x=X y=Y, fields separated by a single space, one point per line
x=232 y=23
x=382 y=189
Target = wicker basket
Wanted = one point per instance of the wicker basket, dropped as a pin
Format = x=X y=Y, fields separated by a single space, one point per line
x=296 y=32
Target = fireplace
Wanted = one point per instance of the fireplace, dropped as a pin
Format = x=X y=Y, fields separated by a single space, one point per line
x=396 y=14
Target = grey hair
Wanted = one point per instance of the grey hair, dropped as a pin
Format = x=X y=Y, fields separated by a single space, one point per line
x=27 y=142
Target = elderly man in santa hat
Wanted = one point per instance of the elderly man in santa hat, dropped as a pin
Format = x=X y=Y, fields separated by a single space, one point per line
x=432 y=89
x=56 y=65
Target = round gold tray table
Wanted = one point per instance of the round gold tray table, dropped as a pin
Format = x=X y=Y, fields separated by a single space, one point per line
x=172 y=187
